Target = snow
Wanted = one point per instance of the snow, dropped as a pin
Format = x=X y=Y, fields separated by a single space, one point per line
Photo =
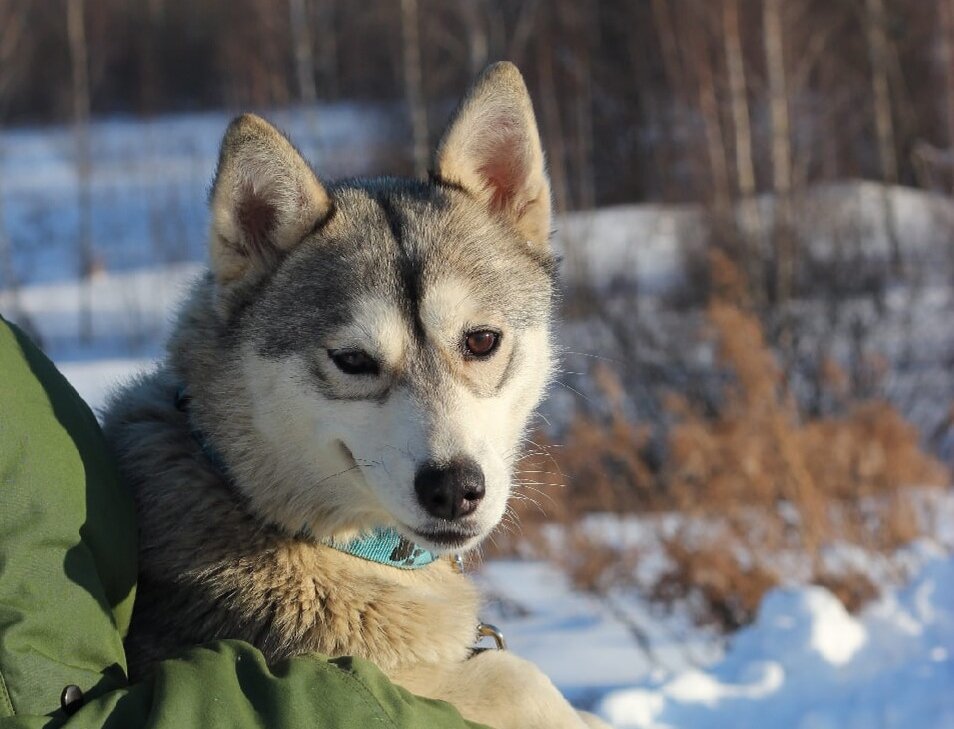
x=150 y=180
x=806 y=662
x=95 y=380
x=131 y=313
x=572 y=636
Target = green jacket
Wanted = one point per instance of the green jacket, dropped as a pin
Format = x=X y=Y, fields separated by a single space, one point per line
x=68 y=581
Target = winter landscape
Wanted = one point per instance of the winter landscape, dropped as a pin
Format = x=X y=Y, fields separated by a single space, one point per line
x=804 y=661
x=736 y=509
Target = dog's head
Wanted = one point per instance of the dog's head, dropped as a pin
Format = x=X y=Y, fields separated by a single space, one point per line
x=388 y=339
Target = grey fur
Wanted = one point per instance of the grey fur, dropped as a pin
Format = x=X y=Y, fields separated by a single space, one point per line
x=221 y=552
x=395 y=237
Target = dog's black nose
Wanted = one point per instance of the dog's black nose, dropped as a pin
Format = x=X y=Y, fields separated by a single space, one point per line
x=450 y=491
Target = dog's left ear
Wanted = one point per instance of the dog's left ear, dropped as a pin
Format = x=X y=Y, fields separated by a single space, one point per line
x=492 y=149
x=265 y=200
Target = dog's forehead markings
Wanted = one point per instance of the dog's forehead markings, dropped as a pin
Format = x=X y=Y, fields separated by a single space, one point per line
x=378 y=321
x=450 y=302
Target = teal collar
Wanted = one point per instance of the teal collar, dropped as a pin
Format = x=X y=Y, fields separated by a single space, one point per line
x=383 y=545
x=386 y=546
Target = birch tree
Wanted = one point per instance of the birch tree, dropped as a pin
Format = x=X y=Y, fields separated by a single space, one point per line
x=878 y=54
x=708 y=103
x=752 y=230
x=79 y=63
x=946 y=8
x=414 y=84
x=324 y=19
x=12 y=30
x=304 y=58
x=299 y=22
x=781 y=148
x=551 y=116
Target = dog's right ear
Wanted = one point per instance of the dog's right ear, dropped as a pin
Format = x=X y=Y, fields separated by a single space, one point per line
x=265 y=200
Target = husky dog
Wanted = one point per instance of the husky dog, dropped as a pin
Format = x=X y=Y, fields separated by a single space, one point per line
x=361 y=359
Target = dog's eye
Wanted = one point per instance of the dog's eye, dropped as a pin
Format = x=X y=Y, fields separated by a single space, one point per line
x=354 y=361
x=481 y=343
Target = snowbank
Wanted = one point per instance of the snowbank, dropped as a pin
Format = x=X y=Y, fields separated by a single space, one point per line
x=807 y=663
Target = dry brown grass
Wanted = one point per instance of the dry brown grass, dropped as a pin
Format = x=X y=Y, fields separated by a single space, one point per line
x=774 y=480
x=726 y=593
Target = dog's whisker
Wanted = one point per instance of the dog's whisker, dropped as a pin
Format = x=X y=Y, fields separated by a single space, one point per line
x=545 y=419
x=593 y=356
x=543 y=494
x=531 y=500
x=333 y=475
x=574 y=390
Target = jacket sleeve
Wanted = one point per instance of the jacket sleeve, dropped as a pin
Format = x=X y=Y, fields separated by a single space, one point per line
x=227 y=684
x=67 y=584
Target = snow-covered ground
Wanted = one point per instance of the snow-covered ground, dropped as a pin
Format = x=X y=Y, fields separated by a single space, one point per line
x=807 y=663
x=804 y=663
x=150 y=179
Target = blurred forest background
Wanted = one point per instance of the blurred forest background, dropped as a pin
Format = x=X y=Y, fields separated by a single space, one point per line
x=756 y=218
x=689 y=100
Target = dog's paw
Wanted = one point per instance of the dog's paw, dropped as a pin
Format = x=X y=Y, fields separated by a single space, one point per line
x=499 y=689
x=508 y=692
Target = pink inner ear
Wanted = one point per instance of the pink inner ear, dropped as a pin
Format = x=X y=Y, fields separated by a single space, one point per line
x=256 y=218
x=503 y=166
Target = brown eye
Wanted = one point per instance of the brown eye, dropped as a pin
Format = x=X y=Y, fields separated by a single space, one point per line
x=481 y=343
x=354 y=362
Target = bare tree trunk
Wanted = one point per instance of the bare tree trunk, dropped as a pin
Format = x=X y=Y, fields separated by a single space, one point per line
x=300 y=24
x=947 y=58
x=304 y=59
x=324 y=19
x=552 y=122
x=8 y=278
x=478 y=40
x=675 y=75
x=781 y=151
x=745 y=168
x=523 y=29
x=76 y=30
x=830 y=122
x=149 y=59
x=670 y=47
x=585 y=175
x=712 y=122
x=12 y=29
x=884 y=123
x=414 y=84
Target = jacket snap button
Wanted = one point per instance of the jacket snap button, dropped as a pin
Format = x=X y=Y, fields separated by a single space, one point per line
x=71 y=699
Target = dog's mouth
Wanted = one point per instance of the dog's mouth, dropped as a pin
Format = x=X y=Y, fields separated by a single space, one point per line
x=447 y=538
x=440 y=535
